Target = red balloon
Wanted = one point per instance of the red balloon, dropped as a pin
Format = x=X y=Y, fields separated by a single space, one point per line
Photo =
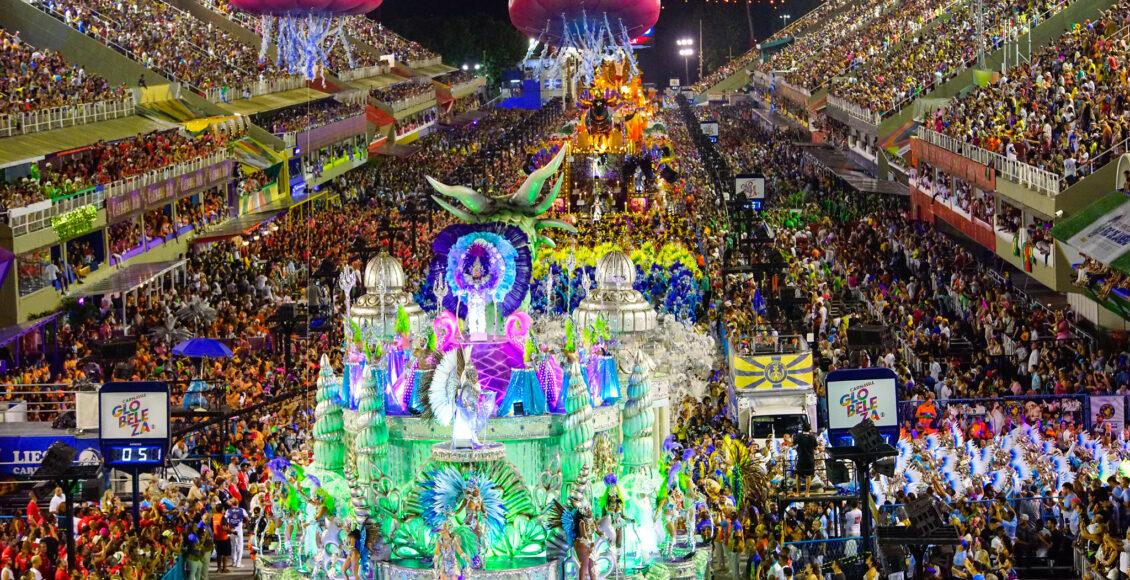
x=542 y=18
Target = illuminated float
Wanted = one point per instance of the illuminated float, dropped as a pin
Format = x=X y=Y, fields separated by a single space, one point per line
x=481 y=440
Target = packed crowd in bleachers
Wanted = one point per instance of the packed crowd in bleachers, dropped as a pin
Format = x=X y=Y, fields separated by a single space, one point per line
x=386 y=41
x=307 y=116
x=1065 y=111
x=812 y=61
x=39 y=78
x=104 y=163
x=402 y=91
x=883 y=80
x=170 y=41
x=456 y=77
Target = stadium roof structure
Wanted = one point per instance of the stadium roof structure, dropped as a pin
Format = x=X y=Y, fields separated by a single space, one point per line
x=273 y=101
x=128 y=278
x=34 y=146
x=378 y=82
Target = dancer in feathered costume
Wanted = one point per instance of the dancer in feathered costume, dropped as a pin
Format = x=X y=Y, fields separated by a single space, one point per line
x=446 y=491
x=576 y=529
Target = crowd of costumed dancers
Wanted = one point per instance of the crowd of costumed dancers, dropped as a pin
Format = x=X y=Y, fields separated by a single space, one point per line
x=955 y=466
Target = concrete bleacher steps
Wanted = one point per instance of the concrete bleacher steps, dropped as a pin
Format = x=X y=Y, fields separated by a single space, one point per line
x=43 y=30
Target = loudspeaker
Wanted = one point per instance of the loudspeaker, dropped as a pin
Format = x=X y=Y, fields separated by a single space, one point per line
x=56 y=461
x=838 y=472
x=865 y=335
x=926 y=515
x=885 y=466
x=64 y=421
x=867 y=436
x=119 y=349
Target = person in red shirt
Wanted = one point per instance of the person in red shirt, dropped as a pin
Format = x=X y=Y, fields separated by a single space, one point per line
x=34 y=516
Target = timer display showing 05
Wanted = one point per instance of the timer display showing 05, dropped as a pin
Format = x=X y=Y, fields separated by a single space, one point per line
x=146 y=454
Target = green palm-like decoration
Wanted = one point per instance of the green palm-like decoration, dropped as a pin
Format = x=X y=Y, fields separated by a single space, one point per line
x=523 y=208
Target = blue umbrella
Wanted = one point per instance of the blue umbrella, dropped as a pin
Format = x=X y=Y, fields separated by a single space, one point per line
x=202 y=348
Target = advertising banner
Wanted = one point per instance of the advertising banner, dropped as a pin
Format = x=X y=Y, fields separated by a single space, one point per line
x=858 y=394
x=1110 y=410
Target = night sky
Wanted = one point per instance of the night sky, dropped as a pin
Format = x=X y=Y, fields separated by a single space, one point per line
x=725 y=27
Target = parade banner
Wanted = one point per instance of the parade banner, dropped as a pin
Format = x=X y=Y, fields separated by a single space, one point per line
x=766 y=372
x=1109 y=410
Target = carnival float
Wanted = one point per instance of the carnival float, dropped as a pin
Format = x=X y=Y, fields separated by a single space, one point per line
x=488 y=439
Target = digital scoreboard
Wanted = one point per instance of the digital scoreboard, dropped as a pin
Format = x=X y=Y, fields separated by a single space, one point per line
x=133 y=422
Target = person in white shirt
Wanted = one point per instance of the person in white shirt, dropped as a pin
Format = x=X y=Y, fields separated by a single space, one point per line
x=56 y=500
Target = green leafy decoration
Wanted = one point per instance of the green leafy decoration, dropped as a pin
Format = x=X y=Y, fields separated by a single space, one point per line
x=75 y=223
x=403 y=325
x=413 y=540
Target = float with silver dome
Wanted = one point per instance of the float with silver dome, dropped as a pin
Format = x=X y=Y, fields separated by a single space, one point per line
x=478 y=441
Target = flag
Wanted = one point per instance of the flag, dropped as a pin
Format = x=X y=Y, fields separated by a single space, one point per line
x=758 y=302
x=773 y=371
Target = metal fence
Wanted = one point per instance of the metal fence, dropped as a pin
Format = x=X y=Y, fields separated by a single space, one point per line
x=1034 y=178
x=39 y=402
x=38 y=216
x=855 y=111
x=254 y=89
x=66 y=116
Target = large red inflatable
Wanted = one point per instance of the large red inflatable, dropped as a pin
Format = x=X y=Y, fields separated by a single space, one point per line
x=546 y=20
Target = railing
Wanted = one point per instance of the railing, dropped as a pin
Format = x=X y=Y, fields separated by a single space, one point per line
x=363 y=72
x=422 y=62
x=66 y=116
x=24 y=222
x=254 y=89
x=40 y=402
x=1034 y=178
x=855 y=111
x=129 y=184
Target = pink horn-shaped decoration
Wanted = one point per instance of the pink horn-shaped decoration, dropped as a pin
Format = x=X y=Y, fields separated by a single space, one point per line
x=446 y=326
x=518 y=326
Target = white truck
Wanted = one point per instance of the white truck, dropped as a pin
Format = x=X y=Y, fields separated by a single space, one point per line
x=773 y=387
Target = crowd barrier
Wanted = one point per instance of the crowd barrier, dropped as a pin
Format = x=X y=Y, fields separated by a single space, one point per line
x=254 y=89
x=176 y=571
x=66 y=116
x=1085 y=410
x=855 y=111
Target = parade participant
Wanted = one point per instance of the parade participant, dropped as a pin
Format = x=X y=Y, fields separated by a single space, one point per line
x=448 y=554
